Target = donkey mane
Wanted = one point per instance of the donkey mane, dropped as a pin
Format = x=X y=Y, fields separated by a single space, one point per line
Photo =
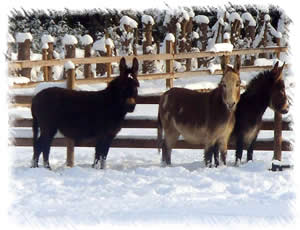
x=261 y=83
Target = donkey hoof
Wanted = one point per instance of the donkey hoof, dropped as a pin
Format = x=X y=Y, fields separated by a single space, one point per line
x=47 y=165
x=237 y=163
x=34 y=164
x=99 y=164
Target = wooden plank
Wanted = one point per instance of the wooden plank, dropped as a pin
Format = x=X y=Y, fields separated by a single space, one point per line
x=137 y=122
x=94 y=60
x=140 y=142
x=234 y=52
x=153 y=76
x=86 y=60
x=151 y=99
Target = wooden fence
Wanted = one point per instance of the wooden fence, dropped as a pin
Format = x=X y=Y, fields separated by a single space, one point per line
x=140 y=141
x=150 y=142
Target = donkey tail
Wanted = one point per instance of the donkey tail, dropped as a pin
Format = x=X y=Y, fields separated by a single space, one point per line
x=159 y=132
x=35 y=130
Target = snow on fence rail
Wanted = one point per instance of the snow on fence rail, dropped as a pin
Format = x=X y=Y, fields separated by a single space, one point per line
x=170 y=58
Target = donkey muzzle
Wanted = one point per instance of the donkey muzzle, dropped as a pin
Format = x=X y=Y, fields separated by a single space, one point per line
x=230 y=106
x=130 y=102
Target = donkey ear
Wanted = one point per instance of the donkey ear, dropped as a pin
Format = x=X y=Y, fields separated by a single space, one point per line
x=122 y=66
x=279 y=72
x=237 y=64
x=135 y=66
x=276 y=65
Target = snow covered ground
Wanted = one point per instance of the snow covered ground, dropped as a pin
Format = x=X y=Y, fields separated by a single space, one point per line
x=136 y=192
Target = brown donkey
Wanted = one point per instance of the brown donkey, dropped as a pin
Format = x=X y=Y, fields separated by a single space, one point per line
x=201 y=118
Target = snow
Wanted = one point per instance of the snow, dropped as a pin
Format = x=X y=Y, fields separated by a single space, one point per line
x=226 y=36
x=46 y=38
x=199 y=19
x=109 y=42
x=18 y=80
x=125 y=20
x=45 y=46
x=273 y=31
x=213 y=67
x=100 y=45
x=86 y=40
x=44 y=85
x=221 y=47
x=137 y=191
x=57 y=72
x=10 y=38
x=267 y=18
x=235 y=16
x=266 y=62
x=69 y=65
x=191 y=13
x=22 y=37
x=170 y=37
x=69 y=39
x=195 y=35
x=147 y=19
x=259 y=37
x=248 y=17
x=185 y=15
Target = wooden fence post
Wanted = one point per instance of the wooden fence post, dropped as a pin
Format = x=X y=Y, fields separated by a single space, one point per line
x=45 y=57
x=108 y=65
x=202 y=24
x=69 y=42
x=264 y=40
x=189 y=30
x=70 y=51
x=70 y=72
x=227 y=39
x=277 y=127
x=169 y=63
x=148 y=66
x=24 y=44
x=87 y=42
x=50 y=57
x=87 y=69
x=47 y=41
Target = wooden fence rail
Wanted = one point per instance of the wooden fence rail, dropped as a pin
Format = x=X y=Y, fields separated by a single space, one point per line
x=143 y=123
x=96 y=60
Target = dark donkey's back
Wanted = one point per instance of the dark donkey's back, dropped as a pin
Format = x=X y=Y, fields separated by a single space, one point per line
x=201 y=118
x=81 y=115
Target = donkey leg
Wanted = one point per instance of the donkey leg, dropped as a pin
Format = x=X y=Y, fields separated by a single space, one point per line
x=223 y=156
x=223 y=150
x=46 y=143
x=250 y=150
x=208 y=152
x=171 y=137
x=239 y=151
x=102 y=148
x=215 y=150
x=166 y=154
x=37 y=150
